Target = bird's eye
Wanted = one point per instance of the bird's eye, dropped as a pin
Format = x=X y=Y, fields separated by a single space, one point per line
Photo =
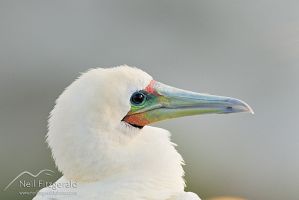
x=138 y=98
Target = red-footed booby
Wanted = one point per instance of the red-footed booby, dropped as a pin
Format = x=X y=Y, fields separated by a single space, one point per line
x=101 y=141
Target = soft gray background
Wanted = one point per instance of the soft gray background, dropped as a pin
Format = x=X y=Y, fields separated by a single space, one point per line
x=244 y=49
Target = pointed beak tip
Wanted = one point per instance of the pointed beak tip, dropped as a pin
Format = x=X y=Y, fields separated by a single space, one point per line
x=246 y=107
x=249 y=109
x=240 y=106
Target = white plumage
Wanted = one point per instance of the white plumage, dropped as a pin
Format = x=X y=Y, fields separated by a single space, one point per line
x=104 y=156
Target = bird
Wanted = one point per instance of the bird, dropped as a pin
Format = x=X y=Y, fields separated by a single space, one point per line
x=101 y=140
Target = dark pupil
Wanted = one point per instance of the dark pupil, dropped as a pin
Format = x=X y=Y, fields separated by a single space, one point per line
x=137 y=98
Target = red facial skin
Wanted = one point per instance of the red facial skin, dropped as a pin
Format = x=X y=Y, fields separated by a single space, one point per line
x=139 y=119
x=150 y=88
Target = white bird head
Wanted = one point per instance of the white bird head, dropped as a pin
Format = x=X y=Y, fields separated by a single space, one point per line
x=96 y=127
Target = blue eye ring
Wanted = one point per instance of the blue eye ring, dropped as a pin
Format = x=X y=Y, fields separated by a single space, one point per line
x=138 y=98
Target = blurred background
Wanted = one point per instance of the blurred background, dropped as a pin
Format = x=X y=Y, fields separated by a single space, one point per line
x=244 y=49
